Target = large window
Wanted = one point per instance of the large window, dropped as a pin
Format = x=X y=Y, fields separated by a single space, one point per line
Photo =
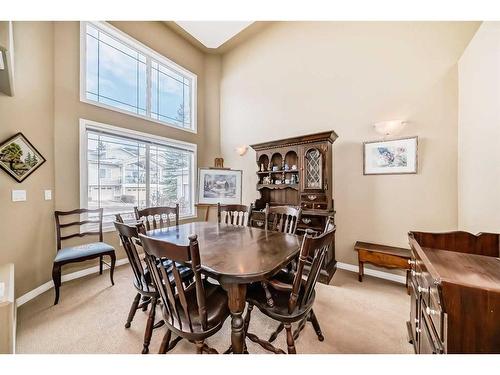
x=119 y=73
x=121 y=169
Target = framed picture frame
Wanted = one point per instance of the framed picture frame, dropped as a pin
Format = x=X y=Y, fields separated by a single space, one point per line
x=19 y=158
x=395 y=156
x=219 y=186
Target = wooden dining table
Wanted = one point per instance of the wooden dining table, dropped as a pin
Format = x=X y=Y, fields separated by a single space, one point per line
x=235 y=257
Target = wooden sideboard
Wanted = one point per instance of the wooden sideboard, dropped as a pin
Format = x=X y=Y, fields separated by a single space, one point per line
x=298 y=172
x=455 y=292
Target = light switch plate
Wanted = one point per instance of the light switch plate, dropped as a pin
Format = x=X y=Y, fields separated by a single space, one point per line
x=18 y=195
x=48 y=195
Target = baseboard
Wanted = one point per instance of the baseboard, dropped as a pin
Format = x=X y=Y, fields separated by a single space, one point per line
x=375 y=273
x=70 y=276
x=88 y=271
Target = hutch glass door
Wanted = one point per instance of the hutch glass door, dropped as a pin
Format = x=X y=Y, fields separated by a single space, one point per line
x=313 y=167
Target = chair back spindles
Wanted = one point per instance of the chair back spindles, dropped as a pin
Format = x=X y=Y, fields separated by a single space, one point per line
x=285 y=219
x=233 y=214
x=60 y=227
x=315 y=247
x=128 y=234
x=157 y=217
x=173 y=292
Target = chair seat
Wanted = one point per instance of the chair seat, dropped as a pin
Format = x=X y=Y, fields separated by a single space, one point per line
x=216 y=307
x=257 y=296
x=82 y=251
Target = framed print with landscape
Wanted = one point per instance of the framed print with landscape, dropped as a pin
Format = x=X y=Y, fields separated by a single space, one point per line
x=396 y=156
x=219 y=186
x=19 y=158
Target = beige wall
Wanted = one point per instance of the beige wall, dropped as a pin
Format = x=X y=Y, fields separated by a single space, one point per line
x=479 y=132
x=47 y=109
x=27 y=236
x=305 y=77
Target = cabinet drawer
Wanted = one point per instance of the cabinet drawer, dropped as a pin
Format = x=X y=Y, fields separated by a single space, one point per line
x=313 y=222
x=313 y=198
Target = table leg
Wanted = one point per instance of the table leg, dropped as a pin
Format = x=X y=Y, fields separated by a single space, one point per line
x=236 y=302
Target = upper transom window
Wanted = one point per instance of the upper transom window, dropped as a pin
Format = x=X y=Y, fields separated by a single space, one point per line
x=119 y=73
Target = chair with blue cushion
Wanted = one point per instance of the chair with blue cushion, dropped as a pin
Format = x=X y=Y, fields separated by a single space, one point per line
x=80 y=253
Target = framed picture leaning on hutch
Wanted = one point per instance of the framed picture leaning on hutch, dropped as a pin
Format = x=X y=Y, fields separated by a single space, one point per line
x=395 y=156
x=19 y=158
x=219 y=186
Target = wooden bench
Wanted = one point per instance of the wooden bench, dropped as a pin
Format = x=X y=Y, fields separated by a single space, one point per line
x=382 y=256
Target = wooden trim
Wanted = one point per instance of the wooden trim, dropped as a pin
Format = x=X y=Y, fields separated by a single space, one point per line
x=330 y=136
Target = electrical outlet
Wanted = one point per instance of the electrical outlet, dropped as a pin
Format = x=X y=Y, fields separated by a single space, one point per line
x=48 y=195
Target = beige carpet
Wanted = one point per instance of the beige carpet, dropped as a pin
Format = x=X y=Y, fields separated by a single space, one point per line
x=355 y=317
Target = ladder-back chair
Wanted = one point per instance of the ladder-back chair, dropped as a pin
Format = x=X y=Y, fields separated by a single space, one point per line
x=79 y=253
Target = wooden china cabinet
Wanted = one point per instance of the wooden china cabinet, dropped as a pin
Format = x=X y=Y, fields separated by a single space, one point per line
x=298 y=172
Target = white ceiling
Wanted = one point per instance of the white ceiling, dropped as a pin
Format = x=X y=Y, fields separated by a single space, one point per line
x=212 y=34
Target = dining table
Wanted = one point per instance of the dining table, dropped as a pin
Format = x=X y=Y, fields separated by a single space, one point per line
x=235 y=256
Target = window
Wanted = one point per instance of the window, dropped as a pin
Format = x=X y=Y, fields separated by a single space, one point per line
x=121 y=169
x=119 y=73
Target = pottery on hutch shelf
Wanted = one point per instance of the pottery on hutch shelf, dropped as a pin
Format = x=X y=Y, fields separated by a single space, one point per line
x=294 y=167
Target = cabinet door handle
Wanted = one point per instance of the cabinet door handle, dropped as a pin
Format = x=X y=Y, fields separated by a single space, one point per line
x=411 y=262
x=306 y=220
x=311 y=197
x=415 y=273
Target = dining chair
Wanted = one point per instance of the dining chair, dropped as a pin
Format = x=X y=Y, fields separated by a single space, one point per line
x=283 y=219
x=291 y=301
x=142 y=282
x=79 y=253
x=157 y=217
x=234 y=214
x=194 y=312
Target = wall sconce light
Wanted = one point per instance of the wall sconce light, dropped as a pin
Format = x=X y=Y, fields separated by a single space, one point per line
x=388 y=128
x=241 y=150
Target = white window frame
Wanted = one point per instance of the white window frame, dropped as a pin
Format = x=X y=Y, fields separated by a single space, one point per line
x=130 y=42
x=86 y=125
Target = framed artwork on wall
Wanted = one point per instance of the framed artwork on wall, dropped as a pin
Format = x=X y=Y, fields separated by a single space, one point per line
x=19 y=158
x=219 y=186
x=396 y=156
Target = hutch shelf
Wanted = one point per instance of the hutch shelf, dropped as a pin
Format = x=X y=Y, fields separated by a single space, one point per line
x=298 y=172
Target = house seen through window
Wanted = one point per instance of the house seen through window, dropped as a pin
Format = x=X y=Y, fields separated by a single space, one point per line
x=123 y=172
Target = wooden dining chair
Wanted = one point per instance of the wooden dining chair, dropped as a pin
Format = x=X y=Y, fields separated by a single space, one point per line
x=194 y=312
x=142 y=282
x=79 y=253
x=283 y=219
x=290 y=301
x=234 y=214
x=157 y=217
